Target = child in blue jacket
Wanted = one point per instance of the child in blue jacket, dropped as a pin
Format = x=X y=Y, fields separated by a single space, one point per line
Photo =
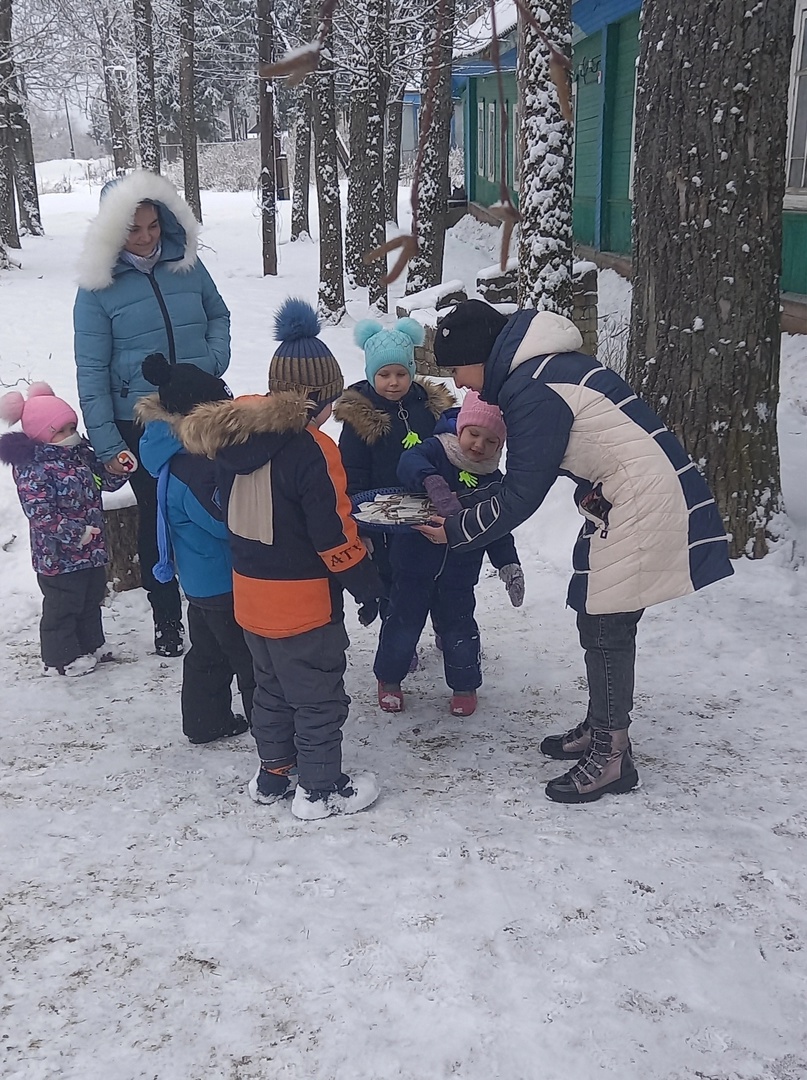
x=462 y=456
x=382 y=416
x=193 y=539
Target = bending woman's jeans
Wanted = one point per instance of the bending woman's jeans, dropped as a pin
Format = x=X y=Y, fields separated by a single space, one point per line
x=164 y=599
x=610 y=645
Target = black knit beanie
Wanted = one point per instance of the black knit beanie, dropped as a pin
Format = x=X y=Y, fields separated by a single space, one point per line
x=303 y=362
x=183 y=386
x=467 y=334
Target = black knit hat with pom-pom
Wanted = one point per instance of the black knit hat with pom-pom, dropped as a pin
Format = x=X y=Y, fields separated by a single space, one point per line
x=183 y=386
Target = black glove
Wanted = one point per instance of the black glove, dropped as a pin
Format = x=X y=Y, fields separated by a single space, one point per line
x=368 y=612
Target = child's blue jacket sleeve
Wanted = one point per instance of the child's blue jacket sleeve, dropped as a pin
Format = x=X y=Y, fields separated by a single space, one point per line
x=421 y=461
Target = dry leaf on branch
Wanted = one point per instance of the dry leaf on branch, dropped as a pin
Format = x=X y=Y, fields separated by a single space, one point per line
x=408 y=244
x=510 y=217
x=295 y=65
x=559 y=67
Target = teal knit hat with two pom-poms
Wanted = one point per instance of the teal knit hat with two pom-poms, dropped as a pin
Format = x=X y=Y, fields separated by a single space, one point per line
x=303 y=363
x=383 y=347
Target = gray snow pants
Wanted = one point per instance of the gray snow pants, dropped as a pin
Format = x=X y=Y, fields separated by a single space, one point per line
x=300 y=703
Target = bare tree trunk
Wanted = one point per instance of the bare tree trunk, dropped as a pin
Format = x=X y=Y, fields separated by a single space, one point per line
x=331 y=266
x=357 y=229
x=187 y=108
x=146 y=101
x=711 y=120
x=266 y=90
x=302 y=166
x=545 y=198
x=24 y=163
x=301 y=190
x=115 y=94
x=9 y=234
x=374 y=151
x=392 y=156
x=426 y=268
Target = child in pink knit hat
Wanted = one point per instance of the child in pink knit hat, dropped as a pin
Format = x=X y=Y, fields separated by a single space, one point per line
x=59 y=482
x=460 y=459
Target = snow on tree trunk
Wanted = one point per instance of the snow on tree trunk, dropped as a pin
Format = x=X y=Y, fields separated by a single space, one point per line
x=331 y=301
x=426 y=268
x=708 y=189
x=374 y=150
x=187 y=109
x=545 y=189
x=357 y=229
x=146 y=101
x=114 y=93
x=24 y=163
x=392 y=156
x=9 y=235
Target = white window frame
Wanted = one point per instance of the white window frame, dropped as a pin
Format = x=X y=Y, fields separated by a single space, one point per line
x=481 y=150
x=796 y=197
x=490 y=157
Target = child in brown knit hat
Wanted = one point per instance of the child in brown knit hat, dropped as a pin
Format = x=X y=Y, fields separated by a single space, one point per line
x=294 y=547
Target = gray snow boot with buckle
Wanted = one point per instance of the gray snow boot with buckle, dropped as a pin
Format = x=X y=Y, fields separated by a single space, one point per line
x=606 y=769
x=570 y=746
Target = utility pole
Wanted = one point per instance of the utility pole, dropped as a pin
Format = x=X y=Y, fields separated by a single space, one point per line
x=266 y=123
x=69 y=127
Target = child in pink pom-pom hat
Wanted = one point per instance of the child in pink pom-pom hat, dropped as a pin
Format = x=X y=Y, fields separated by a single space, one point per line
x=59 y=482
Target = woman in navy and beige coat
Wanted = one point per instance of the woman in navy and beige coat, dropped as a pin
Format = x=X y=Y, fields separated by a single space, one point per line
x=652 y=530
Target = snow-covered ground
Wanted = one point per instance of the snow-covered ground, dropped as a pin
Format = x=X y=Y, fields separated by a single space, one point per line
x=157 y=924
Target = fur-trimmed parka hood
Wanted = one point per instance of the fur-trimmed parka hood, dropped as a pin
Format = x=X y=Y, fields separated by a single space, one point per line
x=371 y=422
x=99 y=260
x=214 y=428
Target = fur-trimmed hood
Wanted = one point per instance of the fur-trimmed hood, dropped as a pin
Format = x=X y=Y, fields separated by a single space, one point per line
x=99 y=260
x=149 y=409
x=370 y=422
x=217 y=425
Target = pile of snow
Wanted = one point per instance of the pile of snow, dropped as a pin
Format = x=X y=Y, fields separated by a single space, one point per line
x=65 y=175
x=430 y=298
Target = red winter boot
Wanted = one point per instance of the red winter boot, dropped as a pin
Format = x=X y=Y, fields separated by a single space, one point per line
x=390 y=697
x=463 y=703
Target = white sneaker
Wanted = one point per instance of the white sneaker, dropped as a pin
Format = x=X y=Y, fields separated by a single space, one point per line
x=83 y=665
x=349 y=796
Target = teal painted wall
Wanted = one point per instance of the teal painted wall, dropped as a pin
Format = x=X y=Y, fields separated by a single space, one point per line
x=485 y=92
x=794 y=252
x=620 y=79
x=587 y=61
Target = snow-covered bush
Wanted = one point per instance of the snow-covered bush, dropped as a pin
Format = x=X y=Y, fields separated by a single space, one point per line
x=226 y=166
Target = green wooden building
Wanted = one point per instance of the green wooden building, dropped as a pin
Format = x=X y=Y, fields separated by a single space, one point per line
x=605 y=50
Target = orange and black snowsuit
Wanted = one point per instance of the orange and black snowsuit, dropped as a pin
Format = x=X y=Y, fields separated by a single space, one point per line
x=283 y=493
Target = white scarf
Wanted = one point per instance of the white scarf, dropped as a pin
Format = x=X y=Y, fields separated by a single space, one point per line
x=451 y=445
x=144 y=263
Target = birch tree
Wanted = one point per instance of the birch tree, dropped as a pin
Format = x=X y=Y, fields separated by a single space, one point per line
x=545 y=190
x=711 y=118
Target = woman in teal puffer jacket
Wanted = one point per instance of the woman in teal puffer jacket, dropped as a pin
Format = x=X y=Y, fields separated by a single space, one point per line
x=142 y=289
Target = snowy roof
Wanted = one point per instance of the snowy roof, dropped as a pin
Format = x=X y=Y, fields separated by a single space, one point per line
x=475 y=35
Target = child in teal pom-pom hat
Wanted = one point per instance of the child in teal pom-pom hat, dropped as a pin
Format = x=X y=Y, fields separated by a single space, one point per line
x=388 y=412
